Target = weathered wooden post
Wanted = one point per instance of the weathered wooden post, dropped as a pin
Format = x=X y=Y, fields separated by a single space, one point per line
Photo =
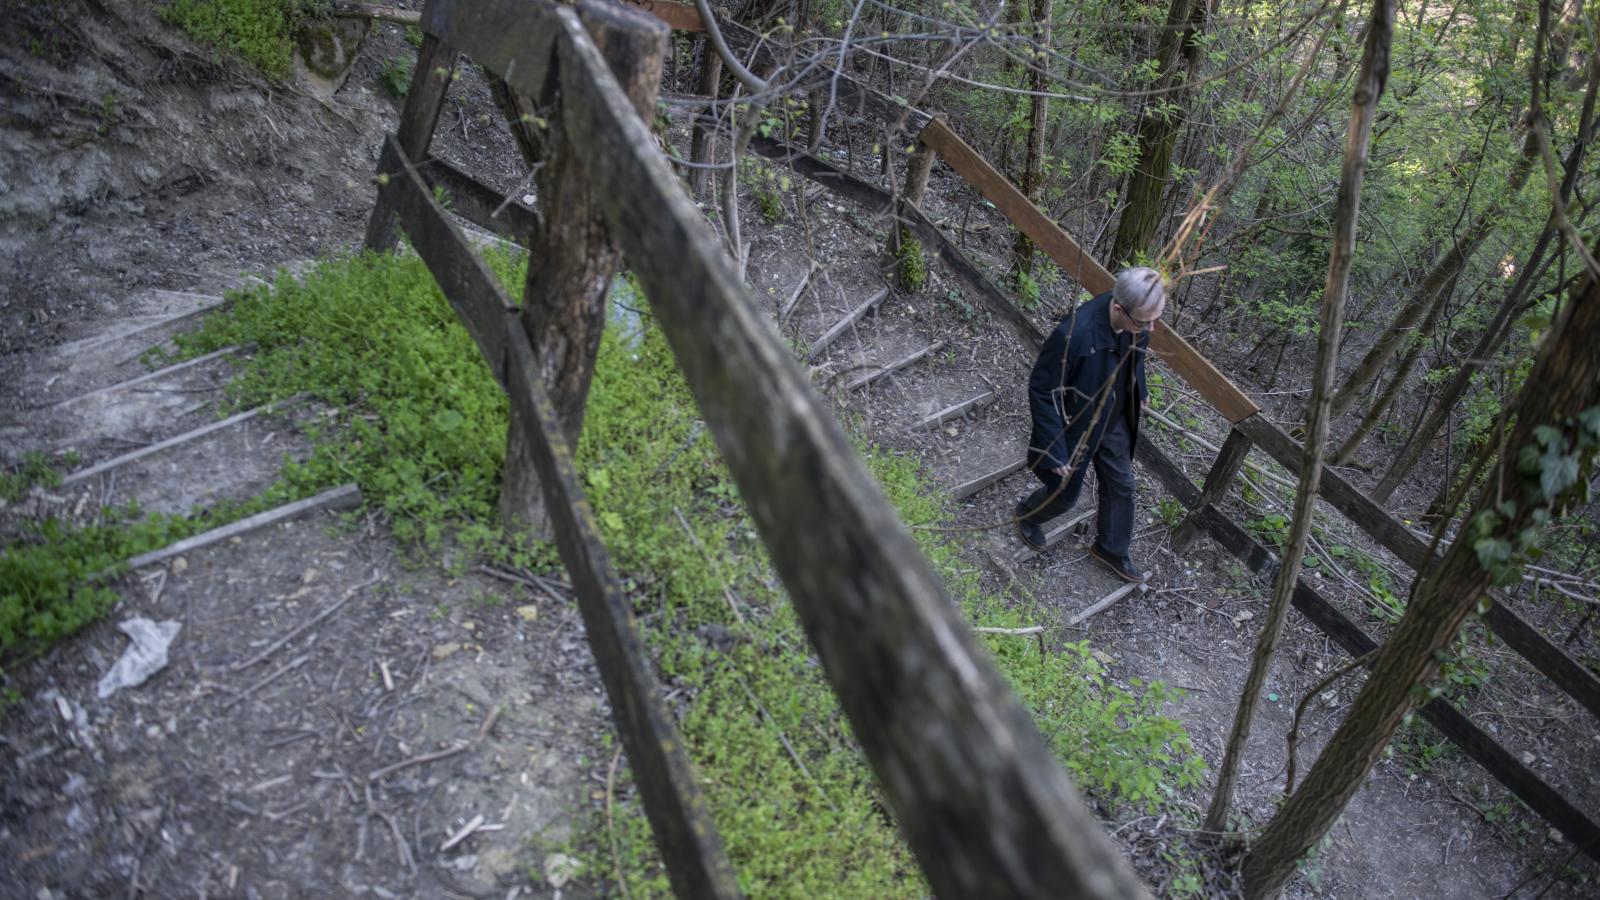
x=1223 y=471
x=436 y=66
x=701 y=137
x=564 y=299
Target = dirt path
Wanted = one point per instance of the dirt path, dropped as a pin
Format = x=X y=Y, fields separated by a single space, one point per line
x=344 y=760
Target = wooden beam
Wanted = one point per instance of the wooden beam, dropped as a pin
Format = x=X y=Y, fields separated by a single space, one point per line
x=909 y=359
x=345 y=496
x=1105 y=603
x=1181 y=357
x=850 y=318
x=962 y=766
x=954 y=411
x=436 y=63
x=1058 y=532
x=1456 y=727
x=1015 y=206
x=1576 y=679
x=678 y=16
x=688 y=839
x=176 y=440
x=1080 y=266
x=474 y=292
x=968 y=488
x=1235 y=450
x=480 y=204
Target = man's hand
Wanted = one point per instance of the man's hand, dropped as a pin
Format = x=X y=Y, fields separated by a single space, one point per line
x=1063 y=471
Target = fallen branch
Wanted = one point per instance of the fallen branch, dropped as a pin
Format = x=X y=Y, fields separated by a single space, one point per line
x=315 y=620
x=476 y=739
x=1104 y=603
x=381 y=13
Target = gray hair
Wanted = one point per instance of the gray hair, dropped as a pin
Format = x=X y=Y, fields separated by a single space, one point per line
x=1138 y=288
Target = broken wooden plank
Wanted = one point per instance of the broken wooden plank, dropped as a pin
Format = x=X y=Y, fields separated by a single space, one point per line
x=345 y=496
x=852 y=317
x=968 y=488
x=796 y=294
x=961 y=764
x=194 y=434
x=951 y=412
x=150 y=376
x=1105 y=603
x=909 y=359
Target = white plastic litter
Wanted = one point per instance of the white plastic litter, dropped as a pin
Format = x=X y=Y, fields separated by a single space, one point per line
x=144 y=657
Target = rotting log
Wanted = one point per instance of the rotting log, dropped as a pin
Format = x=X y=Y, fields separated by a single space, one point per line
x=1576 y=679
x=954 y=411
x=690 y=845
x=973 y=785
x=436 y=63
x=1455 y=726
x=968 y=488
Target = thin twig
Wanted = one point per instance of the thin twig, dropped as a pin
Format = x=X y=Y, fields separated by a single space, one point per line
x=1300 y=709
x=611 y=824
x=315 y=620
x=483 y=731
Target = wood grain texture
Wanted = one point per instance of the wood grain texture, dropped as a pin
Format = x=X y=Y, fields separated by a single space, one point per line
x=512 y=39
x=1230 y=459
x=480 y=204
x=1576 y=679
x=472 y=289
x=985 y=807
x=436 y=63
x=1454 y=725
x=689 y=842
x=677 y=16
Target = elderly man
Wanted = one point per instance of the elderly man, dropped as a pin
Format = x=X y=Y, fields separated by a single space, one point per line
x=1086 y=393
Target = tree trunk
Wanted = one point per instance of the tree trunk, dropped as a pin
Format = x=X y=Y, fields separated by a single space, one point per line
x=1348 y=449
x=1178 y=55
x=1435 y=289
x=1032 y=181
x=701 y=136
x=564 y=301
x=1370 y=82
x=1565 y=382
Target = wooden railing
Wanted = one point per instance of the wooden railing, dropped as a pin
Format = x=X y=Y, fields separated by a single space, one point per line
x=1250 y=427
x=977 y=792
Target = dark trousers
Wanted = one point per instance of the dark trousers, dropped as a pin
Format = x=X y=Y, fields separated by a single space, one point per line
x=1113 y=466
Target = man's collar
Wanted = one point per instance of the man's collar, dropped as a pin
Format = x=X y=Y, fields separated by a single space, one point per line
x=1105 y=338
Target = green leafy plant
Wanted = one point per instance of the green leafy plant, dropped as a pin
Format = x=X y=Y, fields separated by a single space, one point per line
x=395 y=74
x=910 y=263
x=258 y=31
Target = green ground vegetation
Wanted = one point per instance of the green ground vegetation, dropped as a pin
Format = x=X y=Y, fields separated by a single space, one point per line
x=261 y=32
x=420 y=425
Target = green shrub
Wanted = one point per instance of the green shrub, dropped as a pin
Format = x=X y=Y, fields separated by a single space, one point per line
x=911 y=263
x=258 y=31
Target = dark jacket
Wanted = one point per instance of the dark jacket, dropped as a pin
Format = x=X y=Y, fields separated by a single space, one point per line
x=1063 y=389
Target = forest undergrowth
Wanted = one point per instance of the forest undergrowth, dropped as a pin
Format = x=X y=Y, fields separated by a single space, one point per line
x=419 y=423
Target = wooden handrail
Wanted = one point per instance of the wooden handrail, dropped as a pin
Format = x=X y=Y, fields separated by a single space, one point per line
x=971 y=781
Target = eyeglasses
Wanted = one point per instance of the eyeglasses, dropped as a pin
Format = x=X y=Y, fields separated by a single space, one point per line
x=1142 y=323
